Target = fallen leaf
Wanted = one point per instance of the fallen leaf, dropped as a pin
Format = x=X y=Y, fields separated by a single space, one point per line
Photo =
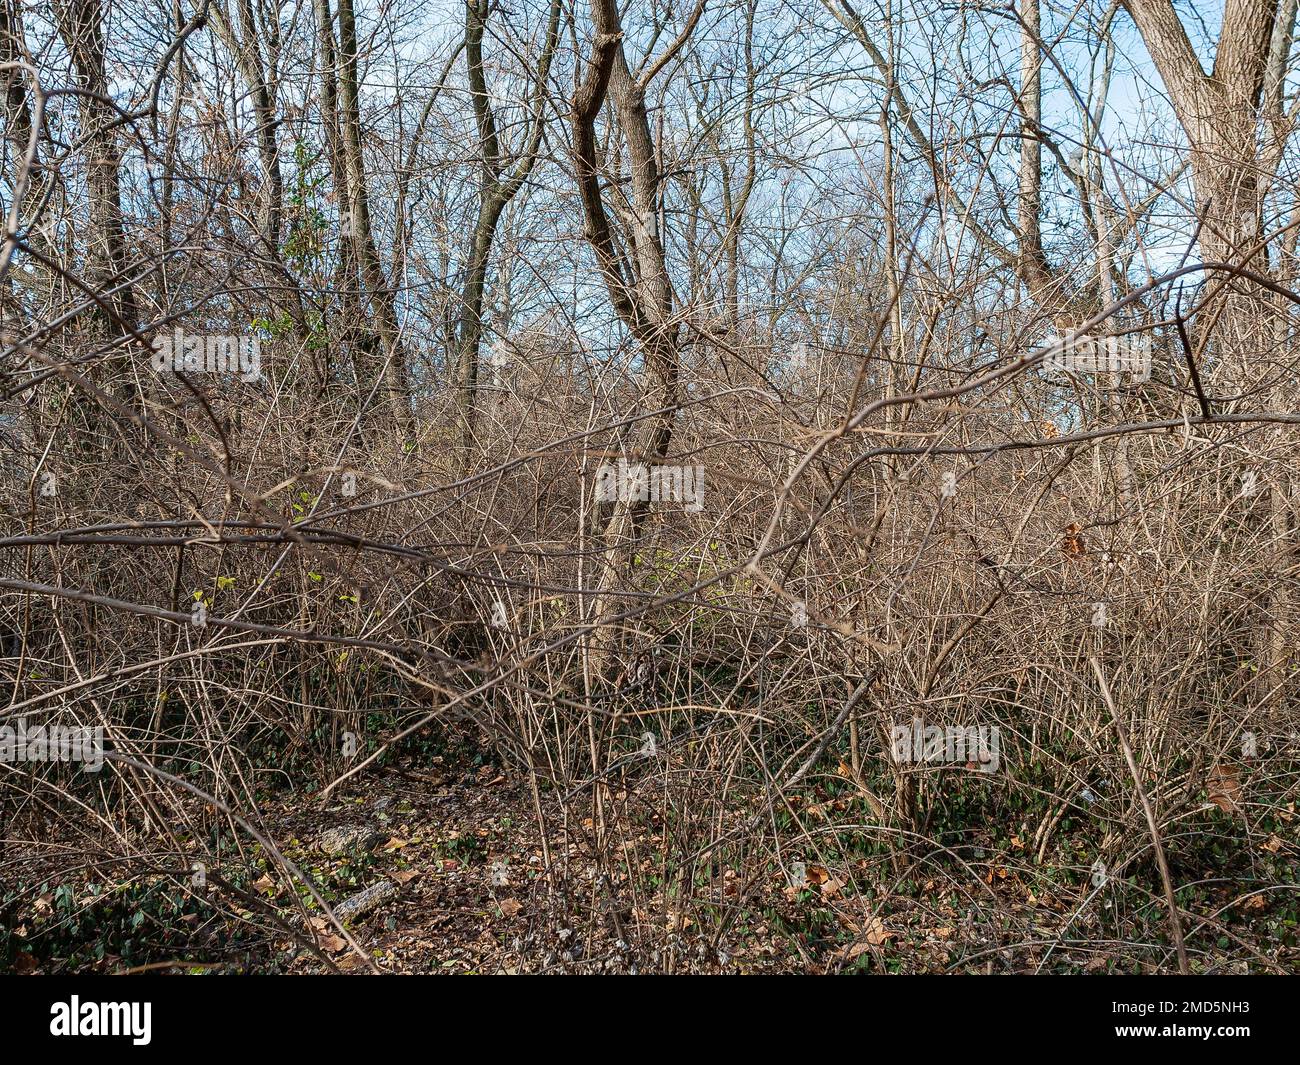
x=818 y=874
x=1272 y=845
x=1222 y=788
x=509 y=907
x=876 y=932
x=872 y=934
x=405 y=876
x=1072 y=543
x=831 y=888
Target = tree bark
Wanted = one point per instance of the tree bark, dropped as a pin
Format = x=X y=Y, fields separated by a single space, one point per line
x=500 y=179
x=387 y=365
x=641 y=291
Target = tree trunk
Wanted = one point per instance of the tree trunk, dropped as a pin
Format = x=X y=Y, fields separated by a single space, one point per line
x=388 y=364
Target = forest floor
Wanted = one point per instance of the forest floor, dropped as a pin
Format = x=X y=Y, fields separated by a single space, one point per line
x=457 y=867
x=447 y=873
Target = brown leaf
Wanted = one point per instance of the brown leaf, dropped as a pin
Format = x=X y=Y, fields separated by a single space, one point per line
x=818 y=874
x=405 y=876
x=872 y=934
x=1072 y=543
x=509 y=907
x=1222 y=788
x=327 y=940
x=875 y=932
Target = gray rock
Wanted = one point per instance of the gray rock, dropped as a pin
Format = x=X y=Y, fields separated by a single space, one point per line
x=342 y=838
x=365 y=901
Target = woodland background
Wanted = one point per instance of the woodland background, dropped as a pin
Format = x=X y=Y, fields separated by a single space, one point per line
x=452 y=712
